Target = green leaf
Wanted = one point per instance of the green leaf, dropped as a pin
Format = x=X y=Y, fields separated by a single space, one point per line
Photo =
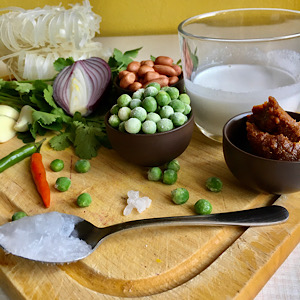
x=60 y=142
x=118 y=55
x=48 y=92
x=61 y=63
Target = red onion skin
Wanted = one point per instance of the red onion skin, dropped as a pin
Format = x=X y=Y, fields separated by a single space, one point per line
x=96 y=70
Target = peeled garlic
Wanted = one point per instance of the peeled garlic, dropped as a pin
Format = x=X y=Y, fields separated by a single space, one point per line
x=24 y=119
x=7 y=131
x=8 y=111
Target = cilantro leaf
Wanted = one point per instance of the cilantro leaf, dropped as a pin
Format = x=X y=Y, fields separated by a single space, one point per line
x=61 y=141
x=61 y=63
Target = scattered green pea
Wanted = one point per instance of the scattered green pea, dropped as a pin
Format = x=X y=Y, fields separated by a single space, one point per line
x=114 y=121
x=180 y=196
x=203 y=207
x=133 y=125
x=84 y=200
x=82 y=166
x=150 y=104
x=62 y=184
x=164 y=125
x=169 y=176
x=214 y=184
x=155 y=174
x=57 y=165
x=163 y=98
x=149 y=127
x=18 y=215
x=173 y=165
x=123 y=100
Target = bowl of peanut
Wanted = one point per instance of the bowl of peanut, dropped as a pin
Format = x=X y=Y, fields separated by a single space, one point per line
x=139 y=74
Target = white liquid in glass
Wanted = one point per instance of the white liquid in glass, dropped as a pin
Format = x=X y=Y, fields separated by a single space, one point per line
x=221 y=92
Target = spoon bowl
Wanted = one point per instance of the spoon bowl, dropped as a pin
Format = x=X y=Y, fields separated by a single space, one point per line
x=61 y=238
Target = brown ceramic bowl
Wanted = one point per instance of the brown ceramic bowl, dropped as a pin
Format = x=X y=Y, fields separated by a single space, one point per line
x=150 y=149
x=261 y=174
x=119 y=91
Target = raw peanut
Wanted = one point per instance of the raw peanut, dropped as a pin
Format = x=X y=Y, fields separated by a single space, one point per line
x=165 y=70
x=177 y=69
x=149 y=63
x=133 y=66
x=173 y=80
x=163 y=60
x=123 y=73
x=127 y=80
x=135 y=86
x=151 y=75
x=144 y=69
x=163 y=81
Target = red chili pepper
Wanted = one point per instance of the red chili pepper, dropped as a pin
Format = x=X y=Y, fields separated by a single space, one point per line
x=39 y=177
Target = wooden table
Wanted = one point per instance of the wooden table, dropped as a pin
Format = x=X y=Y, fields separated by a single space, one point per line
x=165 y=263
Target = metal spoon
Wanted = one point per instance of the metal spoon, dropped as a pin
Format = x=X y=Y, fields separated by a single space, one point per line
x=83 y=230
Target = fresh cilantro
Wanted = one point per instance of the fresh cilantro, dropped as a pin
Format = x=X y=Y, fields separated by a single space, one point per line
x=61 y=142
x=61 y=63
x=119 y=61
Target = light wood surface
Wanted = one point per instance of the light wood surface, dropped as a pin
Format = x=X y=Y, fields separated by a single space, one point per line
x=164 y=263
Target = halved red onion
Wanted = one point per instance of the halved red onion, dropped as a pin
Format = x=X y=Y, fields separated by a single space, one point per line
x=79 y=87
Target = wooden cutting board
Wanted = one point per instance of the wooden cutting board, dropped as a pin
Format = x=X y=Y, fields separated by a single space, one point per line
x=154 y=263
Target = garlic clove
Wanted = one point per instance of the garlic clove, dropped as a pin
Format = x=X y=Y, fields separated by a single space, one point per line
x=8 y=111
x=24 y=119
x=7 y=131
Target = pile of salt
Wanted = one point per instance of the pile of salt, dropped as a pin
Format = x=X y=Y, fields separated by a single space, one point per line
x=135 y=201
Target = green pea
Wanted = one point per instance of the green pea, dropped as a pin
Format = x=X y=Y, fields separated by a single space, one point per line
x=155 y=84
x=155 y=174
x=114 y=110
x=185 y=98
x=123 y=100
x=82 y=166
x=163 y=98
x=150 y=104
x=139 y=94
x=84 y=200
x=57 y=165
x=178 y=119
x=114 y=121
x=152 y=116
x=187 y=109
x=122 y=126
x=149 y=127
x=180 y=196
x=18 y=215
x=166 y=111
x=173 y=165
x=214 y=184
x=124 y=113
x=164 y=125
x=203 y=207
x=150 y=91
x=62 y=184
x=139 y=113
x=135 y=103
x=133 y=125
x=173 y=92
x=177 y=105
x=169 y=176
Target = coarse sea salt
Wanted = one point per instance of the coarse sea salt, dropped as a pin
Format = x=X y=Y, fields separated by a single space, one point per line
x=45 y=237
x=135 y=201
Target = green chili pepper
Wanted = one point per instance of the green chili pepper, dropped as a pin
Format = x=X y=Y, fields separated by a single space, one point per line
x=19 y=154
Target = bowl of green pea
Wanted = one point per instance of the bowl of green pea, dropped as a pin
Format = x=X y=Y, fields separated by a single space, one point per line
x=152 y=126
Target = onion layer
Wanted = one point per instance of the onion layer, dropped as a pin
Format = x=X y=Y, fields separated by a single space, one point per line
x=79 y=87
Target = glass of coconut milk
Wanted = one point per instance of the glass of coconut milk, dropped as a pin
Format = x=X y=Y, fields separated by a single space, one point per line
x=235 y=59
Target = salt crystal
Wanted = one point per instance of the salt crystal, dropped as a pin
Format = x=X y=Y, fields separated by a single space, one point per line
x=134 y=201
x=45 y=237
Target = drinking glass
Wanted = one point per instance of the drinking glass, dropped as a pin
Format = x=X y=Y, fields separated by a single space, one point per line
x=235 y=59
